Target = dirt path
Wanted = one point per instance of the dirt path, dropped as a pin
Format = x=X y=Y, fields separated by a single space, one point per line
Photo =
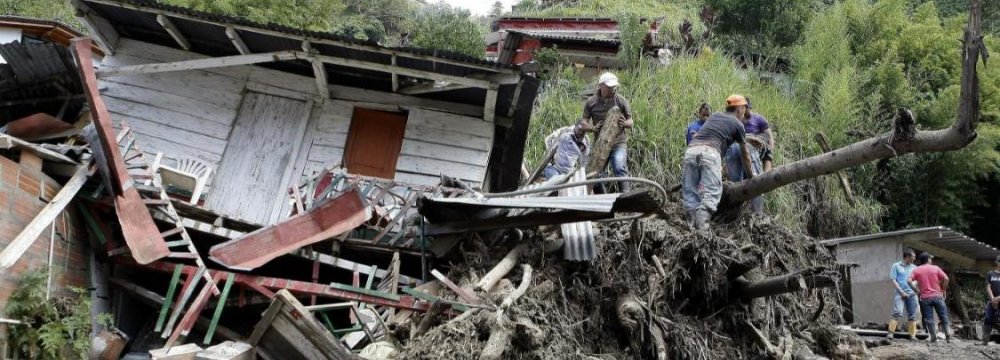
x=920 y=349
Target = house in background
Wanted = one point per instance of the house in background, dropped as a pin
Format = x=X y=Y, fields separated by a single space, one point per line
x=870 y=289
x=268 y=107
x=590 y=42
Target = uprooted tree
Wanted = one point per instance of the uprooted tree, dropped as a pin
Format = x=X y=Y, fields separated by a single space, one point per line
x=902 y=139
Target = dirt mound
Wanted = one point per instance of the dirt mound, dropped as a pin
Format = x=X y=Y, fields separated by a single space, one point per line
x=624 y=305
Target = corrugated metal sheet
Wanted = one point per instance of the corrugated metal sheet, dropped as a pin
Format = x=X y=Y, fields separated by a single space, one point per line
x=593 y=203
x=578 y=237
x=577 y=36
x=938 y=236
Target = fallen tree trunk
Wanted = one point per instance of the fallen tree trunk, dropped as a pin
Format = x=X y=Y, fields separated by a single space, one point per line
x=501 y=269
x=769 y=287
x=897 y=142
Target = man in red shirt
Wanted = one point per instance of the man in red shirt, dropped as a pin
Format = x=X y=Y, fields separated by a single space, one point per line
x=931 y=281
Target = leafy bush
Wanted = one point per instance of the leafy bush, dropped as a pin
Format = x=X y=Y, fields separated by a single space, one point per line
x=440 y=26
x=777 y=21
x=56 y=328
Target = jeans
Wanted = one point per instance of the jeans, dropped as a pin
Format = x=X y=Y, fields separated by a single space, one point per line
x=618 y=161
x=927 y=309
x=734 y=168
x=701 y=186
x=549 y=172
x=909 y=304
x=988 y=322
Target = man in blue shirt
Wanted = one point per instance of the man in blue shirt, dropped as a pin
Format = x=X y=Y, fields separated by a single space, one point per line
x=704 y=111
x=572 y=151
x=904 y=296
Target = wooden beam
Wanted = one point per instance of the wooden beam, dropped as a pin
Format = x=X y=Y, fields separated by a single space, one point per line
x=99 y=28
x=323 y=221
x=515 y=99
x=44 y=219
x=490 y=107
x=362 y=47
x=237 y=40
x=430 y=87
x=7 y=141
x=378 y=97
x=480 y=83
x=197 y=64
x=395 y=77
x=350 y=265
x=319 y=72
x=138 y=228
x=156 y=300
x=173 y=31
x=959 y=260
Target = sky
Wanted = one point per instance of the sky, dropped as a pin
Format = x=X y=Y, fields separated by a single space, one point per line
x=478 y=7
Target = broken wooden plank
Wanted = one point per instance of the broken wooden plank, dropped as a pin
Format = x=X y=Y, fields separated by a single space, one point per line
x=266 y=284
x=174 y=279
x=49 y=213
x=218 y=309
x=138 y=228
x=288 y=328
x=7 y=141
x=325 y=220
x=155 y=300
x=184 y=326
x=465 y=295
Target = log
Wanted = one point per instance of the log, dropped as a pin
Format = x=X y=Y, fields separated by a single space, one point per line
x=520 y=290
x=427 y=321
x=498 y=342
x=630 y=317
x=501 y=269
x=603 y=141
x=960 y=134
x=769 y=287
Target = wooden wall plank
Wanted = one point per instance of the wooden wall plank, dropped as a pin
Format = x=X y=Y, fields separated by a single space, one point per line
x=444 y=152
x=181 y=137
x=197 y=108
x=167 y=117
x=435 y=167
x=450 y=122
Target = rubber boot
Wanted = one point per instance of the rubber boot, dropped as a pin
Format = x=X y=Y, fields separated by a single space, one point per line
x=931 y=330
x=947 y=334
x=911 y=328
x=690 y=218
x=892 y=328
x=987 y=329
x=702 y=219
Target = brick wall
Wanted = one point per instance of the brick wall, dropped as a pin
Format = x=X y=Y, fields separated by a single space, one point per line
x=23 y=194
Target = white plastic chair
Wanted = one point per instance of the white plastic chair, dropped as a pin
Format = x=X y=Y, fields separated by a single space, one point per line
x=189 y=174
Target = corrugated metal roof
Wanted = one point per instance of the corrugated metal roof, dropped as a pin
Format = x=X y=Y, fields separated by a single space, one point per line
x=578 y=244
x=34 y=78
x=576 y=36
x=938 y=236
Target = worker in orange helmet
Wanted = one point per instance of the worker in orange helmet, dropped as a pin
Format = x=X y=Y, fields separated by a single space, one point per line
x=701 y=186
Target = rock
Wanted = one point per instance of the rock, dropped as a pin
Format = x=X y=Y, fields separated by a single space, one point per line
x=900 y=352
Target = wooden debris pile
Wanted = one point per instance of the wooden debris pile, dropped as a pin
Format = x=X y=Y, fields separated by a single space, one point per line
x=751 y=289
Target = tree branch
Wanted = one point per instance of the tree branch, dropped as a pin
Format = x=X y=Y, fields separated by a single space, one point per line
x=886 y=145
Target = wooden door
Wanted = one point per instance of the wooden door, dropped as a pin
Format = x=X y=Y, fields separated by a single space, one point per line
x=251 y=178
x=374 y=142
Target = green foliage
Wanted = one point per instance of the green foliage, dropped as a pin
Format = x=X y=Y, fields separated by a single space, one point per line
x=781 y=22
x=313 y=15
x=604 y=8
x=900 y=56
x=44 y=9
x=440 y=26
x=56 y=328
x=633 y=37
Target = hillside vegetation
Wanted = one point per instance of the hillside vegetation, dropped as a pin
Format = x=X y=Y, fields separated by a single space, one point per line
x=854 y=62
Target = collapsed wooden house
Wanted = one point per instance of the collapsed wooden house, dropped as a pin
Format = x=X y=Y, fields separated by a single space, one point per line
x=219 y=151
